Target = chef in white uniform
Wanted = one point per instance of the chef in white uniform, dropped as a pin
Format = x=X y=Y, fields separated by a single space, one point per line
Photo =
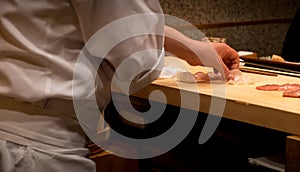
x=39 y=44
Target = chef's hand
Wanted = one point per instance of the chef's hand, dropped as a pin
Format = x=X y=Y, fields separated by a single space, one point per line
x=201 y=53
x=229 y=56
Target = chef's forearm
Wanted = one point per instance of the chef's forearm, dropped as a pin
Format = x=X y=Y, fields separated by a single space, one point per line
x=180 y=45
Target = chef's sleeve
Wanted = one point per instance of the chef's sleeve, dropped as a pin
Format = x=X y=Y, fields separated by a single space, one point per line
x=123 y=40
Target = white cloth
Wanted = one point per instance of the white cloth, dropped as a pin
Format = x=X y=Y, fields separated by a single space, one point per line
x=20 y=158
x=39 y=44
x=41 y=40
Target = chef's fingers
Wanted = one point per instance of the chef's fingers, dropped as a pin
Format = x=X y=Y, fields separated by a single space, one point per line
x=228 y=74
x=235 y=66
x=232 y=60
x=229 y=56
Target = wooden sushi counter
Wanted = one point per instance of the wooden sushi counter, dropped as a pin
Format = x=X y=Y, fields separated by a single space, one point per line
x=242 y=102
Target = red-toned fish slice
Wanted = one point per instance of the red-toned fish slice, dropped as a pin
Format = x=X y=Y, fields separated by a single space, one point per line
x=283 y=87
x=200 y=76
x=293 y=87
x=269 y=87
x=289 y=87
x=294 y=94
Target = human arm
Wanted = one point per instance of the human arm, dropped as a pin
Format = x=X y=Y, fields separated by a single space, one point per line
x=201 y=53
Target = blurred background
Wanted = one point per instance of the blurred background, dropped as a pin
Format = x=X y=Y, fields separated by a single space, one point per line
x=250 y=25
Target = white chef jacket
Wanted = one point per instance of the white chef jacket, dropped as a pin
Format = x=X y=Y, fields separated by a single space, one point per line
x=39 y=44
